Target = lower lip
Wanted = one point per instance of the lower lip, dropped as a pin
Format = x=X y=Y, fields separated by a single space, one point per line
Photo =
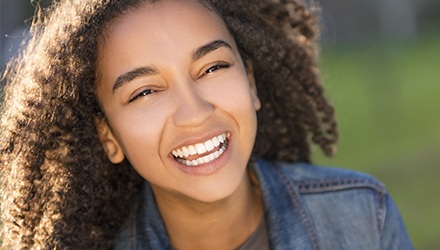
x=209 y=168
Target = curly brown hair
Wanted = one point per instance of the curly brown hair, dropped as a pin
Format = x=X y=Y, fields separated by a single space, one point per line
x=58 y=189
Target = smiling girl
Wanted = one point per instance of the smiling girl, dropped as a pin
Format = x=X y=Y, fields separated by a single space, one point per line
x=178 y=124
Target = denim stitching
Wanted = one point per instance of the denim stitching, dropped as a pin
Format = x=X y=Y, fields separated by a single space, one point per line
x=306 y=187
x=381 y=211
x=310 y=187
x=294 y=195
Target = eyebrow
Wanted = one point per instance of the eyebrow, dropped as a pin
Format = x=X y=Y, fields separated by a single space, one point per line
x=205 y=49
x=151 y=70
x=133 y=74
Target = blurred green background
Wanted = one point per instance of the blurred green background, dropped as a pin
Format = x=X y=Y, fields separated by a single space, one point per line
x=385 y=85
x=387 y=103
x=380 y=66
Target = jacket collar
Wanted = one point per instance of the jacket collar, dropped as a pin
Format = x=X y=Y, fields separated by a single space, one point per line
x=288 y=223
x=150 y=229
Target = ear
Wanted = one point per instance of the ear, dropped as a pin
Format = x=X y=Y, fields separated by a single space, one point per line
x=111 y=146
x=253 y=86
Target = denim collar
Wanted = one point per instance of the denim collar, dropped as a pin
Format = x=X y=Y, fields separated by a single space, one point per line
x=288 y=223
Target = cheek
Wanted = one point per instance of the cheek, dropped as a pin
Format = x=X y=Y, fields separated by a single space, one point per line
x=140 y=130
x=234 y=99
x=234 y=96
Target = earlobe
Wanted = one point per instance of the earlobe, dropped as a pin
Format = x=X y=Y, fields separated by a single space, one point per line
x=111 y=146
x=253 y=87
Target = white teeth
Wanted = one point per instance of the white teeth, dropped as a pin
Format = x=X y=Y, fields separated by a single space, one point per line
x=185 y=152
x=200 y=160
x=221 y=138
x=204 y=159
x=200 y=148
x=180 y=153
x=209 y=145
x=192 y=150
x=215 y=141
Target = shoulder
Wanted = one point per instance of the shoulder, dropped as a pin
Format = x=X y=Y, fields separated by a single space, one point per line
x=309 y=178
x=333 y=197
x=338 y=205
x=328 y=190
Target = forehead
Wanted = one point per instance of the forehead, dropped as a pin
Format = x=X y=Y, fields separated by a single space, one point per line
x=158 y=33
x=157 y=14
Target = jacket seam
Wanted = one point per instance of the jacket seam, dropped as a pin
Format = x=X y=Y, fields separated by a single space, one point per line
x=312 y=186
x=306 y=221
x=381 y=211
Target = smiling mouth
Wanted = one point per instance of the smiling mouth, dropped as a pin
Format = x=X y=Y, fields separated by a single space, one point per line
x=200 y=153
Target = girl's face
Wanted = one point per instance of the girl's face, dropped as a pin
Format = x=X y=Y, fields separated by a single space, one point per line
x=180 y=105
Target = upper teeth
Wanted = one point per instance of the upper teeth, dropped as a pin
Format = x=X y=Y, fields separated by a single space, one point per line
x=199 y=148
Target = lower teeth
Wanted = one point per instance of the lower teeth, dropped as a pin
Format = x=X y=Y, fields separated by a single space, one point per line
x=205 y=159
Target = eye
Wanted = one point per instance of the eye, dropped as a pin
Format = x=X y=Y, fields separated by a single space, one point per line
x=214 y=68
x=143 y=93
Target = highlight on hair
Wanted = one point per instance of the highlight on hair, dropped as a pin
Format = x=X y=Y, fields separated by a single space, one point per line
x=58 y=189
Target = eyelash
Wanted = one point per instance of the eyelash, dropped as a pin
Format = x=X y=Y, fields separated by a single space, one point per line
x=141 y=94
x=207 y=72
x=215 y=68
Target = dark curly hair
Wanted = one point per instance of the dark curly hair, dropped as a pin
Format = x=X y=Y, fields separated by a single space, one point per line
x=58 y=189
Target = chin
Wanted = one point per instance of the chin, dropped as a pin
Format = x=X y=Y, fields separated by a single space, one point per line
x=215 y=191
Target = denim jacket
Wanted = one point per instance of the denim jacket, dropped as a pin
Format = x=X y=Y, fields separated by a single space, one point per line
x=305 y=207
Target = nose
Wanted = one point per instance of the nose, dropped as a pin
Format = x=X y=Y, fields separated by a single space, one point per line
x=192 y=108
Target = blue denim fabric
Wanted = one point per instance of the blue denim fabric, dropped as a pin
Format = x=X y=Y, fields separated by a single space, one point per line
x=306 y=207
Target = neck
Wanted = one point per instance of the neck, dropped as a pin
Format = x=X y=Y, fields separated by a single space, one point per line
x=223 y=224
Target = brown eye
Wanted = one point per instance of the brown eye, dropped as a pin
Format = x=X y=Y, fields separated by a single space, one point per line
x=215 y=68
x=142 y=94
